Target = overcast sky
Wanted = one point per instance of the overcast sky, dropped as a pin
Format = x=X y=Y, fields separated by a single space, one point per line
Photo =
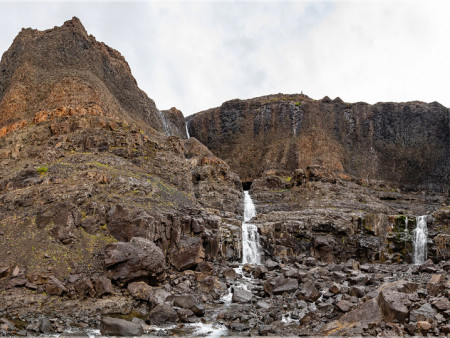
x=196 y=55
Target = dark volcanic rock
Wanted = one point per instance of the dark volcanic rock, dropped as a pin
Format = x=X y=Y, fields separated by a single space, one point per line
x=55 y=287
x=241 y=296
x=138 y=258
x=119 y=327
x=140 y=290
x=279 y=285
x=394 y=305
x=188 y=255
x=163 y=314
x=359 y=139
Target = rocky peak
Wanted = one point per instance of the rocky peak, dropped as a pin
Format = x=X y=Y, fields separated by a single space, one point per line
x=64 y=68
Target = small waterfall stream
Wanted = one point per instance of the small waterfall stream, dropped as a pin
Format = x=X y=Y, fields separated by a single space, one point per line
x=251 y=251
x=420 y=240
x=164 y=123
x=187 y=131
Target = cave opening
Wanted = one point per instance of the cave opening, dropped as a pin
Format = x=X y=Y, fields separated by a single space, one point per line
x=247 y=185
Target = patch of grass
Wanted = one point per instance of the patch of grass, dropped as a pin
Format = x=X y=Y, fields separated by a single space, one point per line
x=42 y=170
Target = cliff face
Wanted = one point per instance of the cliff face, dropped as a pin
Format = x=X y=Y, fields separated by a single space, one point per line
x=403 y=143
x=86 y=160
x=65 y=68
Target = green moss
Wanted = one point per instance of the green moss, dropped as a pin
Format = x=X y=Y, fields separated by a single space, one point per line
x=42 y=170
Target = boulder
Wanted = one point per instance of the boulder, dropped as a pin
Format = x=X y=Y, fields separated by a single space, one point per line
x=309 y=292
x=271 y=265
x=84 y=287
x=335 y=288
x=442 y=304
x=367 y=314
x=103 y=286
x=394 y=305
x=140 y=290
x=119 y=327
x=229 y=273
x=158 y=296
x=278 y=285
x=124 y=223
x=198 y=309
x=242 y=296
x=185 y=301
x=55 y=287
x=435 y=285
x=344 y=305
x=63 y=218
x=188 y=255
x=423 y=326
x=428 y=266
x=137 y=259
x=259 y=271
x=357 y=291
x=46 y=327
x=423 y=313
x=185 y=315
x=163 y=314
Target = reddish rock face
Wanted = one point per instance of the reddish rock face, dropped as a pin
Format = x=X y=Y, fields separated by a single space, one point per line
x=65 y=68
x=405 y=143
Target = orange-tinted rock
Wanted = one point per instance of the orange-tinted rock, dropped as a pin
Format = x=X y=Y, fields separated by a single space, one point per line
x=40 y=80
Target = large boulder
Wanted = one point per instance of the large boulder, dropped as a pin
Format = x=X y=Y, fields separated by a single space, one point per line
x=119 y=327
x=185 y=301
x=241 y=296
x=309 y=292
x=163 y=314
x=55 y=287
x=140 y=290
x=394 y=305
x=279 y=285
x=189 y=253
x=137 y=259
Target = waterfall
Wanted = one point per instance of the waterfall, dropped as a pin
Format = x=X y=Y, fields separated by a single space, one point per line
x=251 y=252
x=420 y=240
x=187 y=131
x=164 y=123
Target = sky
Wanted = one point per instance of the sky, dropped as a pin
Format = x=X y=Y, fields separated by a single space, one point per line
x=195 y=55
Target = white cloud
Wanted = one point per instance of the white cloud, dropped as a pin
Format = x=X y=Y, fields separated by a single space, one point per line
x=195 y=55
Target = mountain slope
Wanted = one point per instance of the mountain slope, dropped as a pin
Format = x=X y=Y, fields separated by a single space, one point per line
x=65 y=68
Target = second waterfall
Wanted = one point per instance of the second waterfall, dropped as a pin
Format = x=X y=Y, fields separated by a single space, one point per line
x=251 y=249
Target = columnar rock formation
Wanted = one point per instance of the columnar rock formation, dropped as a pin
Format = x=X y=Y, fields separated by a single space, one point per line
x=403 y=143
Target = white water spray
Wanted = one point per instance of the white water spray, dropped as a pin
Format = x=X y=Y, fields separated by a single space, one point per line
x=251 y=252
x=420 y=240
x=187 y=131
x=164 y=123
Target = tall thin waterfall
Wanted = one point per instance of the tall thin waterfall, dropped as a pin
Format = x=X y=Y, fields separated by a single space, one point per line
x=187 y=131
x=251 y=252
x=164 y=123
x=420 y=240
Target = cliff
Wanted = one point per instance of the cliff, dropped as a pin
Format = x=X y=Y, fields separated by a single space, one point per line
x=64 y=68
x=401 y=143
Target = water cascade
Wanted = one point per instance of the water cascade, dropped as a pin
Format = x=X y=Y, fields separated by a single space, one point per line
x=251 y=251
x=164 y=123
x=420 y=240
x=187 y=131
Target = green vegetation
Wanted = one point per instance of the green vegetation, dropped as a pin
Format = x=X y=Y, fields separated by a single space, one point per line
x=42 y=170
